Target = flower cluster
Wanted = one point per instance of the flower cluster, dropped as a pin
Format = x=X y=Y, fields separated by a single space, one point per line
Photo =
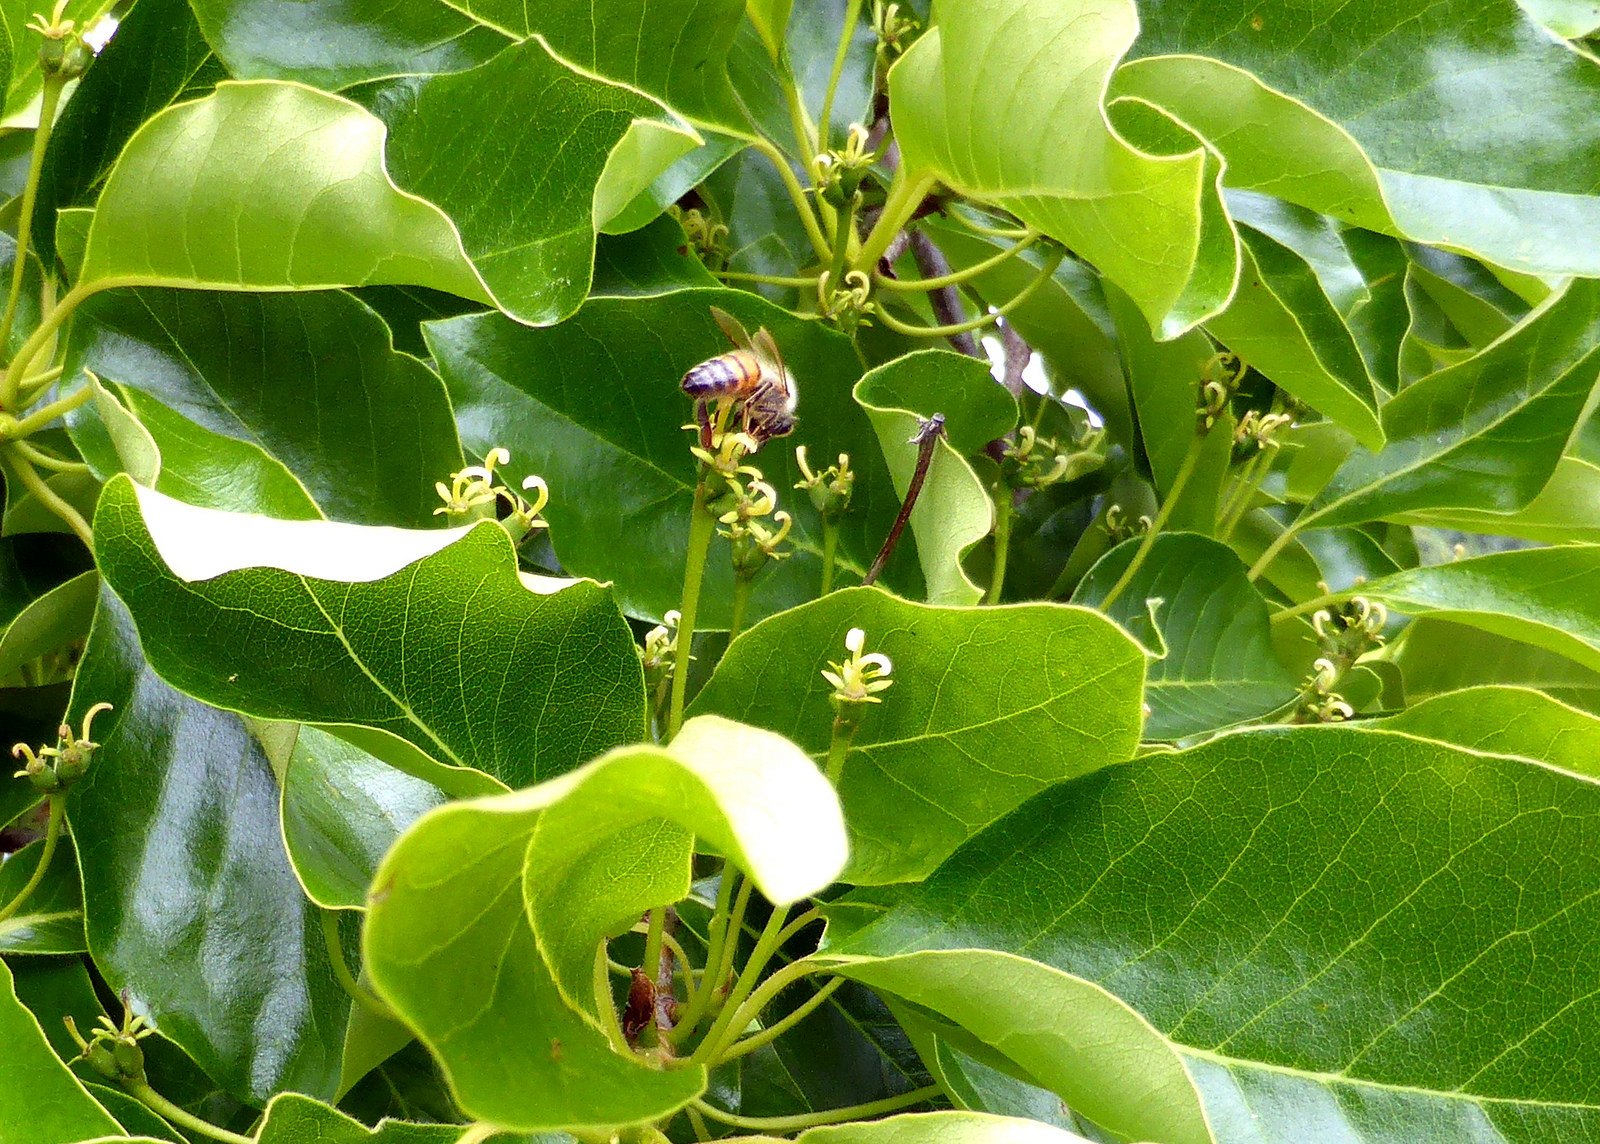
x=1219 y=381
x=1257 y=433
x=477 y=485
x=830 y=488
x=1034 y=462
x=754 y=540
x=53 y=769
x=113 y=1051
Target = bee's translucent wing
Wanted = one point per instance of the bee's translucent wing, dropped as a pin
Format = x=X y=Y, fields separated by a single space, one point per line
x=732 y=327
x=765 y=346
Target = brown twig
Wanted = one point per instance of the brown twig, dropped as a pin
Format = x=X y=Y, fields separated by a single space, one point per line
x=945 y=301
x=926 y=440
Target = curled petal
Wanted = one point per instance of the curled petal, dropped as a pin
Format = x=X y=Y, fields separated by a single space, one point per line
x=854 y=640
x=878 y=660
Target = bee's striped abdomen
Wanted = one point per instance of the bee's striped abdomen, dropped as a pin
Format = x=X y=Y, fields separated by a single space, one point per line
x=731 y=374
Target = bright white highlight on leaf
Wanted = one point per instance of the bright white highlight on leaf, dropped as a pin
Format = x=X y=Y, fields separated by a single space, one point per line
x=202 y=543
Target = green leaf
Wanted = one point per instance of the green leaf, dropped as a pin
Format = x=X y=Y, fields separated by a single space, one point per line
x=628 y=41
x=297 y=620
x=1486 y=434
x=274 y=153
x=1562 y=512
x=292 y=1118
x=653 y=260
x=43 y=1102
x=342 y=810
x=303 y=396
x=1438 y=656
x=988 y=707
x=1067 y=1034
x=953 y=512
x=1369 y=115
x=771 y=20
x=158 y=55
x=1220 y=667
x=593 y=406
x=51 y=920
x=1054 y=160
x=1334 y=987
x=190 y=903
x=940 y=1128
x=1570 y=19
x=336 y=43
x=486 y=915
x=1548 y=597
x=1507 y=721
x=1284 y=325
x=48 y=623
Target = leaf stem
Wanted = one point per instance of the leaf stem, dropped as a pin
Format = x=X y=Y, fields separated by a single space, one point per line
x=778 y=1028
x=39 y=418
x=1028 y=291
x=765 y=946
x=830 y=550
x=817 y=1119
x=46 y=329
x=164 y=1108
x=808 y=217
x=723 y=924
x=1312 y=605
x=927 y=440
x=31 y=387
x=341 y=968
x=1250 y=481
x=905 y=196
x=1003 y=512
x=741 y=597
x=1282 y=541
x=35 y=484
x=844 y=733
x=604 y=1005
x=852 y=17
x=1190 y=459
x=760 y=999
x=702 y=525
x=800 y=283
x=650 y=964
x=48 y=460
x=49 y=99
x=956 y=278
x=52 y=835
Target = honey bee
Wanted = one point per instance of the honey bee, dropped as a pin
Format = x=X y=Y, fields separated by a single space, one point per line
x=754 y=375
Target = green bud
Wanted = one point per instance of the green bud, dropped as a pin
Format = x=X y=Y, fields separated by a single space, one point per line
x=129 y=1058
x=102 y=1059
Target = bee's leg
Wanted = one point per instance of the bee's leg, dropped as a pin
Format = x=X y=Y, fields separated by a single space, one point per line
x=702 y=414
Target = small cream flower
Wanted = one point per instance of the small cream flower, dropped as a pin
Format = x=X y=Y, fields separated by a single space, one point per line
x=859 y=678
x=472 y=486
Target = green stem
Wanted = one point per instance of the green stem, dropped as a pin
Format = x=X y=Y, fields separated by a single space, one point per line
x=47 y=460
x=1239 y=492
x=702 y=525
x=843 y=235
x=651 y=963
x=698 y=1123
x=844 y=732
x=717 y=937
x=956 y=278
x=164 y=1108
x=805 y=134
x=341 y=968
x=604 y=1005
x=817 y=1119
x=31 y=387
x=50 y=97
x=1028 y=291
x=905 y=195
x=1313 y=605
x=39 y=418
x=741 y=597
x=830 y=549
x=765 y=947
x=759 y=1000
x=779 y=1028
x=46 y=329
x=797 y=193
x=1185 y=471
x=768 y=279
x=35 y=484
x=52 y=835
x=1003 y=513
x=852 y=17
x=1283 y=541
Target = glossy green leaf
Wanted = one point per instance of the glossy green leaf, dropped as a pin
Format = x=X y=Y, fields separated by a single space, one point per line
x=158 y=55
x=940 y=1128
x=1451 y=125
x=1339 y=986
x=953 y=512
x=988 y=707
x=765 y=235
x=1068 y=1034
x=1486 y=434
x=1053 y=159
x=1220 y=667
x=652 y=260
x=594 y=407
x=1283 y=323
x=1507 y=721
x=299 y=623
x=1567 y=509
x=306 y=168
x=190 y=904
x=1438 y=656
x=1549 y=597
x=486 y=914
x=336 y=43
x=295 y=1119
x=51 y=920
x=306 y=392
x=43 y=1102
x=342 y=810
